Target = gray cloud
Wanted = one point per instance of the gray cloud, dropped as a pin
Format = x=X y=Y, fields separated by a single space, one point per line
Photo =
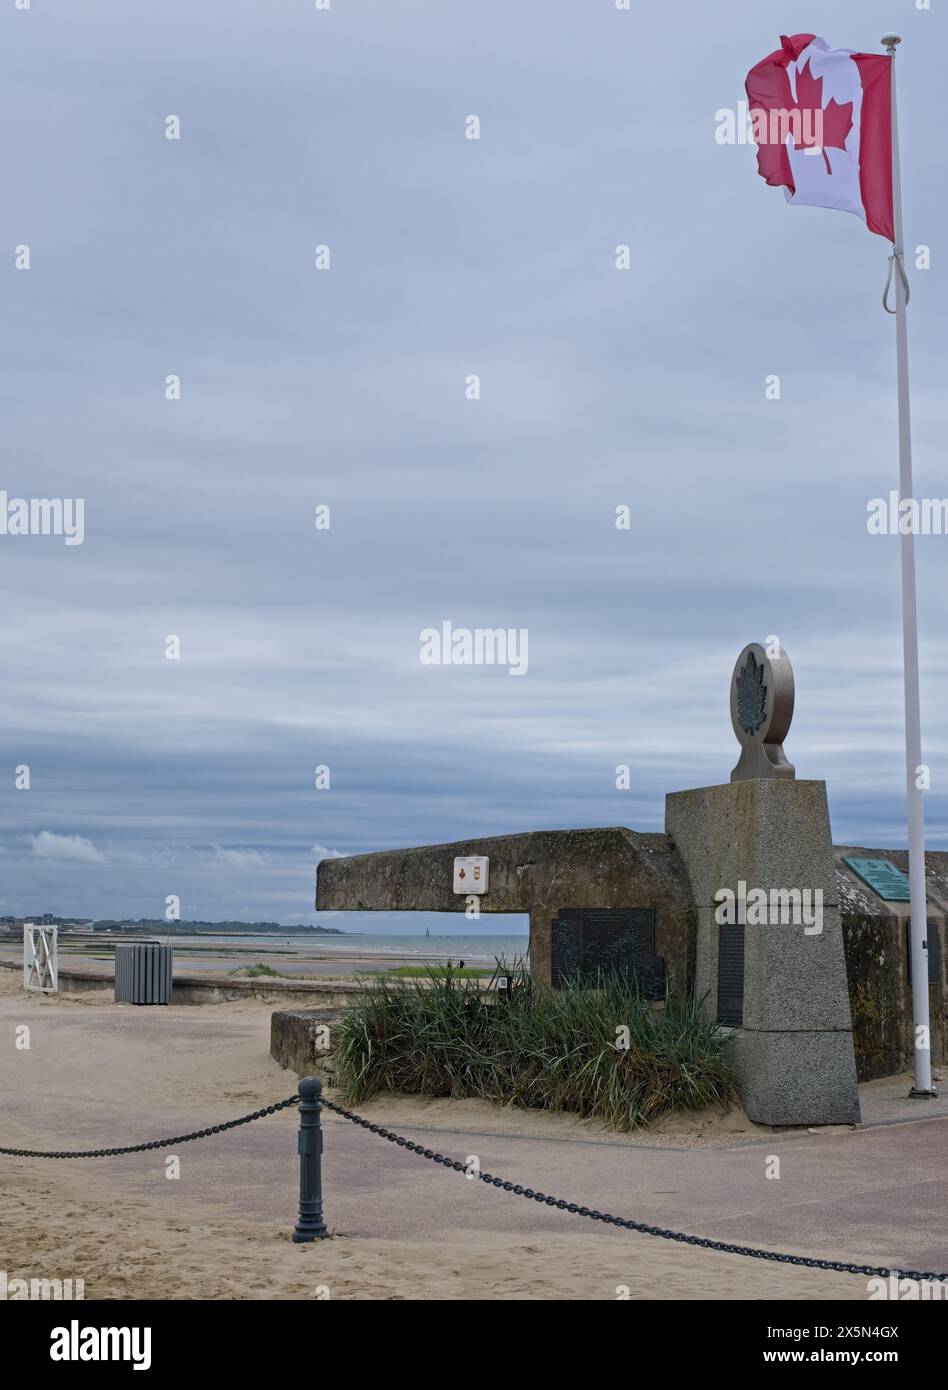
x=599 y=388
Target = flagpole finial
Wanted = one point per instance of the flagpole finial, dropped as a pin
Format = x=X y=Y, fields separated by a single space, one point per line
x=890 y=41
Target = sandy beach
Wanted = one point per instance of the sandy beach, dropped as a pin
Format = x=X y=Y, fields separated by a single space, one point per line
x=100 y=1074
x=306 y=955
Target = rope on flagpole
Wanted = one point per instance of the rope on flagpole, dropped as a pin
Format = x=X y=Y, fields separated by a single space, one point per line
x=895 y=260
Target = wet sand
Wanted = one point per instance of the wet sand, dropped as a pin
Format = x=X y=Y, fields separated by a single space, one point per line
x=300 y=957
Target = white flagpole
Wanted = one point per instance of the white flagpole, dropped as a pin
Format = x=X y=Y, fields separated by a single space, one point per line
x=913 y=723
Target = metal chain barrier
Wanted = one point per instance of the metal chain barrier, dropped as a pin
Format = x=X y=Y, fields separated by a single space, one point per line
x=311 y=1225
x=807 y=1262
x=154 y=1143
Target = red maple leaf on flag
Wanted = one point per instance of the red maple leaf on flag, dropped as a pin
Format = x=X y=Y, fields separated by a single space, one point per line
x=829 y=126
x=789 y=118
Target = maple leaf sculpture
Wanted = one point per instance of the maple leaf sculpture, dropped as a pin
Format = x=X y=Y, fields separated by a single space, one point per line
x=836 y=120
x=751 y=696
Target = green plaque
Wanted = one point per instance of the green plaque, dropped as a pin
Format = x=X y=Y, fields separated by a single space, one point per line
x=883 y=878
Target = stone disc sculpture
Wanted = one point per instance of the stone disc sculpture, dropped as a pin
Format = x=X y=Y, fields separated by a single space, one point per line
x=761 y=712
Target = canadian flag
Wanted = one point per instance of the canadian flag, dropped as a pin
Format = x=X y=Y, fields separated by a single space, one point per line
x=822 y=121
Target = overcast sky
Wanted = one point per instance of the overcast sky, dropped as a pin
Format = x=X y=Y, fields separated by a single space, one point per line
x=449 y=257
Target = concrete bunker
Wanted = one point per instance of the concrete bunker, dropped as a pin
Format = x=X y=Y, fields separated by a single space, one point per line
x=812 y=1009
x=567 y=881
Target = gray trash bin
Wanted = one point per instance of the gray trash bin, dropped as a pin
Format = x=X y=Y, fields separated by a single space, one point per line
x=143 y=973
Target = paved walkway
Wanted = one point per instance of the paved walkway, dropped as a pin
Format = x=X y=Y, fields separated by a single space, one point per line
x=96 y=1074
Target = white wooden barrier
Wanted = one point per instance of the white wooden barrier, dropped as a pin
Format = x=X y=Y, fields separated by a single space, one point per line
x=41 y=958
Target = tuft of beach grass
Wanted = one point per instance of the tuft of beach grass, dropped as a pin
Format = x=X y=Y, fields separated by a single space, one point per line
x=606 y=1053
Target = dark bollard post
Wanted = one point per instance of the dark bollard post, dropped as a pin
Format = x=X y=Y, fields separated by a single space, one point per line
x=310 y=1225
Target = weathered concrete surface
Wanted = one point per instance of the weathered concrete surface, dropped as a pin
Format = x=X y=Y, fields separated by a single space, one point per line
x=796 y=1078
x=300 y=1038
x=771 y=834
x=217 y=989
x=538 y=873
x=794 y=1054
x=880 y=991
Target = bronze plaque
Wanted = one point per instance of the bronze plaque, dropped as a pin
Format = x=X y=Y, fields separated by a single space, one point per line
x=933 y=942
x=731 y=974
x=882 y=877
x=593 y=943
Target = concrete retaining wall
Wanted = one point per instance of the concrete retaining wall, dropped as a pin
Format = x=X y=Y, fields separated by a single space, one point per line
x=217 y=989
